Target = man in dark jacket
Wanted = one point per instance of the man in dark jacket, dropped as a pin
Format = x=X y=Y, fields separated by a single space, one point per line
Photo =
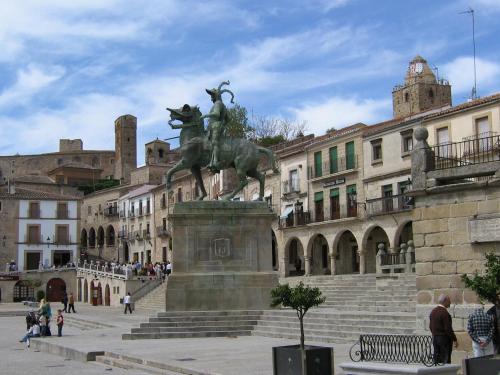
x=495 y=313
x=440 y=325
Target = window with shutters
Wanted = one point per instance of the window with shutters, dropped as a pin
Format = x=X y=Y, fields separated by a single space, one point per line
x=334 y=204
x=318 y=206
x=318 y=168
x=352 y=204
x=350 y=155
x=334 y=166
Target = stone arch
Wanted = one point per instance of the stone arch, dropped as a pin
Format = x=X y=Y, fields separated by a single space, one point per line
x=404 y=233
x=294 y=257
x=345 y=250
x=317 y=251
x=23 y=291
x=83 y=239
x=100 y=237
x=110 y=236
x=85 y=291
x=373 y=236
x=107 y=296
x=274 y=251
x=92 y=237
x=55 y=290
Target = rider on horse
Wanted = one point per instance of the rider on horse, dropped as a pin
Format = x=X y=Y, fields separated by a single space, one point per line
x=218 y=117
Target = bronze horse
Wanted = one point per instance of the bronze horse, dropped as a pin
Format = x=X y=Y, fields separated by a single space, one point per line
x=195 y=150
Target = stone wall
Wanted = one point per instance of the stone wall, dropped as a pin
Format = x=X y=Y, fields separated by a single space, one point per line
x=442 y=222
x=9 y=211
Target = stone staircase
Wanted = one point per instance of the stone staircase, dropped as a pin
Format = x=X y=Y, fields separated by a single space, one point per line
x=186 y=324
x=355 y=304
x=154 y=300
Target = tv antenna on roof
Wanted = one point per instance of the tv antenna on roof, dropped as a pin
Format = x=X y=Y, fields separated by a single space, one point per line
x=471 y=12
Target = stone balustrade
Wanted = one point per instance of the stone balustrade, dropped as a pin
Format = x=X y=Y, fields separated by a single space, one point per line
x=398 y=262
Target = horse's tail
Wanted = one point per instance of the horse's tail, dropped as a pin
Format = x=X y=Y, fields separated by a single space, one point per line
x=270 y=157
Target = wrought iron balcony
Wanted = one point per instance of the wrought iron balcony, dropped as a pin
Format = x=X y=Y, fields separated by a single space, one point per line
x=295 y=219
x=111 y=211
x=162 y=232
x=384 y=205
x=291 y=186
x=333 y=167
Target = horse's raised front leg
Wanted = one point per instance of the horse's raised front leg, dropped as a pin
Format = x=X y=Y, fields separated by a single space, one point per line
x=176 y=168
x=243 y=182
x=195 y=170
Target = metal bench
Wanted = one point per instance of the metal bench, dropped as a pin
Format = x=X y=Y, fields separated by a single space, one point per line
x=408 y=349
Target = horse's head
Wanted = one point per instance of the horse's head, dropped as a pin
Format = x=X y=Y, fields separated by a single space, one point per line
x=186 y=114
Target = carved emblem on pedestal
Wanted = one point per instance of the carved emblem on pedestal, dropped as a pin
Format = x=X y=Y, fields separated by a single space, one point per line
x=222 y=247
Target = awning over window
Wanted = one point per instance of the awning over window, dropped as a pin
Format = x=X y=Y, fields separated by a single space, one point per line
x=288 y=211
x=318 y=196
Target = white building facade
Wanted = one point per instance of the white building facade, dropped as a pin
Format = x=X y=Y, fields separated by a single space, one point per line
x=47 y=233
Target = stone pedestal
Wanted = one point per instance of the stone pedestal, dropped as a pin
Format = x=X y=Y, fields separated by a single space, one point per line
x=221 y=256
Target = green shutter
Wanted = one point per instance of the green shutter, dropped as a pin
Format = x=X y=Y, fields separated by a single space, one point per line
x=333 y=160
x=351 y=189
x=318 y=196
x=350 y=156
x=318 y=172
x=334 y=193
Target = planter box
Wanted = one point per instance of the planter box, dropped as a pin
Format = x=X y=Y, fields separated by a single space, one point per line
x=287 y=360
x=487 y=365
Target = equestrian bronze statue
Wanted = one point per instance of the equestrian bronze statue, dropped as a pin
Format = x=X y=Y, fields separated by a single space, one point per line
x=212 y=148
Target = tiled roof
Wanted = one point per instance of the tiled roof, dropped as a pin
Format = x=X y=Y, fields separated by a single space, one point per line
x=139 y=191
x=21 y=193
x=34 y=179
x=464 y=106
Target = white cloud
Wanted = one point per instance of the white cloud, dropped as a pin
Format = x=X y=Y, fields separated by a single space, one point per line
x=30 y=81
x=341 y=112
x=460 y=73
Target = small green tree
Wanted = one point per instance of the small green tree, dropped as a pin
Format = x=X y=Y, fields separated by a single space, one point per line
x=486 y=285
x=300 y=298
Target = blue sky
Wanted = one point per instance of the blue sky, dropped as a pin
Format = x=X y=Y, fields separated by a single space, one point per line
x=69 y=68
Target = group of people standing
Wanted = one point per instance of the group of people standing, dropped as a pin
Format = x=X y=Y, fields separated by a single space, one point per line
x=483 y=328
x=38 y=324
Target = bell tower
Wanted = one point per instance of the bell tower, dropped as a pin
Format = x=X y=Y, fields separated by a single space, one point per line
x=125 y=147
x=421 y=90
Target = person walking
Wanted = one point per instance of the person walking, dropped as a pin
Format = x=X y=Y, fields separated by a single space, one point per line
x=65 y=302
x=440 y=325
x=494 y=312
x=481 y=330
x=127 y=302
x=71 y=301
x=169 y=268
x=59 y=322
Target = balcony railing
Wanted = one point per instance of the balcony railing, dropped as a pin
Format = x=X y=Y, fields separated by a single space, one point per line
x=63 y=240
x=394 y=203
x=138 y=235
x=111 y=211
x=122 y=213
x=333 y=215
x=295 y=219
x=468 y=152
x=33 y=240
x=162 y=231
x=146 y=234
x=327 y=168
x=122 y=234
x=291 y=186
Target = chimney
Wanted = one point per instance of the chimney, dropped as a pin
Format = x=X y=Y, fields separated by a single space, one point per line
x=11 y=187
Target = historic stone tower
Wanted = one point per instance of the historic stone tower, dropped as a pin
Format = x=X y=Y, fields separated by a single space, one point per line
x=421 y=90
x=157 y=152
x=125 y=147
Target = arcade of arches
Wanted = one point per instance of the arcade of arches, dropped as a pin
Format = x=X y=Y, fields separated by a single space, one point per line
x=343 y=252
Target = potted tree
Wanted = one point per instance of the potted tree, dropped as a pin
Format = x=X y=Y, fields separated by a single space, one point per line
x=300 y=359
x=487 y=288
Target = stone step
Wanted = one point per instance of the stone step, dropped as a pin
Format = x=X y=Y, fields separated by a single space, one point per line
x=334 y=314
x=336 y=322
x=195 y=329
x=178 y=335
x=189 y=319
x=187 y=323
x=345 y=332
x=328 y=326
x=83 y=324
x=208 y=313
x=296 y=337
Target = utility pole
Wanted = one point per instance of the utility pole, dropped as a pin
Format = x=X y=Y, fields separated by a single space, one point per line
x=471 y=12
